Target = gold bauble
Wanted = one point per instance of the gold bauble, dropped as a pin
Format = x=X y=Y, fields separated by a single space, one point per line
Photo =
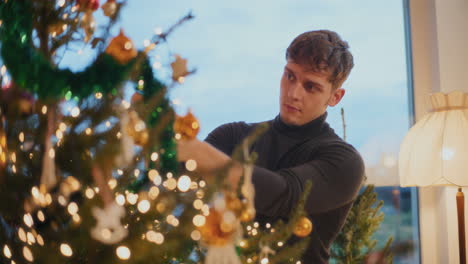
x=121 y=49
x=187 y=126
x=211 y=231
x=303 y=227
x=136 y=129
x=247 y=215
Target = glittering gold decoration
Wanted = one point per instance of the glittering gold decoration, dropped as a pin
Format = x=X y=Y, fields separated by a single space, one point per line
x=211 y=231
x=303 y=227
x=179 y=68
x=136 y=129
x=187 y=126
x=121 y=49
x=247 y=215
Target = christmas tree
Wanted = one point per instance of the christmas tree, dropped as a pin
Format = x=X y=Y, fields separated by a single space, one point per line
x=89 y=177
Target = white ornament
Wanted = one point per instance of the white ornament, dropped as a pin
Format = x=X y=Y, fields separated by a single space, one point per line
x=108 y=229
x=127 y=152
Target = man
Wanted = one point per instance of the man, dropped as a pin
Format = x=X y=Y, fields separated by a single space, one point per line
x=299 y=145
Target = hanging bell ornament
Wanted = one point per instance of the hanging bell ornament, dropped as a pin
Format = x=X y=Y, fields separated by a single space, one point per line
x=121 y=49
x=109 y=8
x=303 y=227
x=136 y=129
x=187 y=126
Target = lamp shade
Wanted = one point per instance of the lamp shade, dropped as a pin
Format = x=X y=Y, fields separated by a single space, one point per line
x=435 y=150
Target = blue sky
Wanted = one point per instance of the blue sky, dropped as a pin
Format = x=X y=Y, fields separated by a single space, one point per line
x=238 y=50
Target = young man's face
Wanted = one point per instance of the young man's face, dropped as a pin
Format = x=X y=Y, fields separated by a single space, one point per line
x=305 y=95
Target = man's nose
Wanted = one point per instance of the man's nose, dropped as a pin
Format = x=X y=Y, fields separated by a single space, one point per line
x=294 y=91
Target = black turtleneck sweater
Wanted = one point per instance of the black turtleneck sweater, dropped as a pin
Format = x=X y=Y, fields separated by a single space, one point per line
x=288 y=156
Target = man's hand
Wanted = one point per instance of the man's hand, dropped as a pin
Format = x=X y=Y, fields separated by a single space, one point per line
x=208 y=159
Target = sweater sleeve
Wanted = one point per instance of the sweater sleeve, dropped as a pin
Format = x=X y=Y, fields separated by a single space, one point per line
x=225 y=137
x=336 y=177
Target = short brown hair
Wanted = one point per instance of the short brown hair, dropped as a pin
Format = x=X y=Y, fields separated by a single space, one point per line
x=322 y=50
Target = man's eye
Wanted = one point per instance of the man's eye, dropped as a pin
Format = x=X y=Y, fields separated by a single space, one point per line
x=289 y=76
x=309 y=87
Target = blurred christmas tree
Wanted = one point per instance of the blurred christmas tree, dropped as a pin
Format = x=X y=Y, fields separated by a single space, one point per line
x=87 y=177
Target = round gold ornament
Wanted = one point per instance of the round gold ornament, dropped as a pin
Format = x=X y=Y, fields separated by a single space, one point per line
x=247 y=215
x=303 y=227
x=136 y=129
x=187 y=126
x=211 y=231
x=121 y=49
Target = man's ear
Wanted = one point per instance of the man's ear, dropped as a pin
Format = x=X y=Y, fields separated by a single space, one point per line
x=336 y=96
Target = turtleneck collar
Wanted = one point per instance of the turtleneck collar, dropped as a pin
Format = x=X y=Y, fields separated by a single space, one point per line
x=308 y=130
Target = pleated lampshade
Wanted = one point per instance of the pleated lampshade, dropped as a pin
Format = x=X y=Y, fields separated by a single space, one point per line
x=435 y=150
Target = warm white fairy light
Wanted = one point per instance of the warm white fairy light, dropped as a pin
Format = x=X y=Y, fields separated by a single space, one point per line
x=169 y=218
x=202 y=183
x=151 y=236
x=171 y=184
x=298 y=262
x=112 y=183
x=40 y=216
x=28 y=254
x=28 y=220
x=154 y=156
x=31 y=239
x=44 y=109
x=89 y=193
x=200 y=194
x=183 y=184
x=136 y=173
x=249 y=228
x=75 y=112
x=108 y=124
x=191 y=165
x=154 y=176
x=88 y=131
x=159 y=238
x=256 y=225
x=72 y=208
x=128 y=45
x=61 y=3
x=205 y=210
x=264 y=261
x=195 y=235
x=13 y=168
x=169 y=175
x=66 y=250
x=120 y=200
x=13 y=157
x=249 y=260
x=59 y=134
x=178 y=136
x=198 y=204
x=51 y=153
x=22 y=234
x=96 y=189
x=199 y=220
x=120 y=172
x=62 y=201
x=21 y=137
x=125 y=104
x=153 y=192
x=123 y=252
x=3 y=70
x=243 y=243
x=62 y=126
x=98 y=95
x=268 y=225
x=76 y=218
x=132 y=198
x=181 y=79
x=144 y=206
x=7 y=251
x=40 y=240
